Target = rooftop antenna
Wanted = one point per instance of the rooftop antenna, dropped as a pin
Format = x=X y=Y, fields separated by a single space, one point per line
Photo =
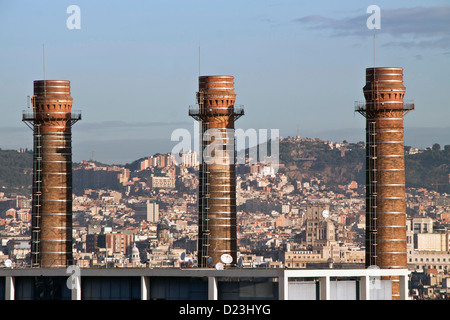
x=374 y=49
x=199 y=59
x=374 y=73
x=43 y=62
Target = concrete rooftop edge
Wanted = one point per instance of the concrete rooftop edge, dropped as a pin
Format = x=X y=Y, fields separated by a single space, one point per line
x=200 y=272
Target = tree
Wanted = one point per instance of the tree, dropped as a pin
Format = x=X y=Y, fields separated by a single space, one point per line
x=436 y=147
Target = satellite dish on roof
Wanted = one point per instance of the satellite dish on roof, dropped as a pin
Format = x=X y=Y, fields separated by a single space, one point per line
x=240 y=262
x=219 y=266
x=210 y=260
x=325 y=213
x=8 y=263
x=226 y=258
x=183 y=256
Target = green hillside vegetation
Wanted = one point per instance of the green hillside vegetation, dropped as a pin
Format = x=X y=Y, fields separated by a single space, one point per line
x=429 y=169
x=16 y=171
x=306 y=159
x=301 y=161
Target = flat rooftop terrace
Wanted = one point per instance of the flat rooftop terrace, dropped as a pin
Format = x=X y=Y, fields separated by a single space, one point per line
x=75 y=283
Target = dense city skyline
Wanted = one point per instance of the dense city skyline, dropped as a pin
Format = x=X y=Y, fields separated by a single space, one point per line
x=134 y=69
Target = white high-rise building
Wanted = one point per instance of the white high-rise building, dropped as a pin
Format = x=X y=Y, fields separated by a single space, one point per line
x=152 y=211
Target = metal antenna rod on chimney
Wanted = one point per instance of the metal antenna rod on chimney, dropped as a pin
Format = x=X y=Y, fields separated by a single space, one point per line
x=43 y=63
x=199 y=59
x=374 y=49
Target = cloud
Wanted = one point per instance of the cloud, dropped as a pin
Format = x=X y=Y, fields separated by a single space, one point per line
x=422 y=26
x=340 y=27
x=123 y=124
x=104 y=125
x=442 y=43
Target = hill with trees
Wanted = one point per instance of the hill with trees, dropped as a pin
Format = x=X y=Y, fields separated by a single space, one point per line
x=16 y=171
x=301 y=159
x=429 y=169
x=342 y=163
x=334 y=164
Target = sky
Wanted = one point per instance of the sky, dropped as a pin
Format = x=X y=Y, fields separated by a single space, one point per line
x=299 y=67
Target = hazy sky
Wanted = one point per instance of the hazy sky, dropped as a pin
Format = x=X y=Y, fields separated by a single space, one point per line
x=298 y=66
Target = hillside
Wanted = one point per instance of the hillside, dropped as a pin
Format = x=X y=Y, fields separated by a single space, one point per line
x=314 y=158
x=16 y=171
x=302 y=159
x=429 y=169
